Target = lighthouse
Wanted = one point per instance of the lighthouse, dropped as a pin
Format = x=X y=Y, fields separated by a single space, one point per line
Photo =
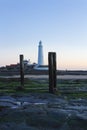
x=40 y=54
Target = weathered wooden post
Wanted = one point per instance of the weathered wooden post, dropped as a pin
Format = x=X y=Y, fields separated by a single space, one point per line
x=21 y=71
x=52 y=72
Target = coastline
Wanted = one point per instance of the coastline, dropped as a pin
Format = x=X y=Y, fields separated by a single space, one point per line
x=47 y=76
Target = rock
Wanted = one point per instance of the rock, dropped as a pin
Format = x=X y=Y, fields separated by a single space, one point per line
x=42 y=112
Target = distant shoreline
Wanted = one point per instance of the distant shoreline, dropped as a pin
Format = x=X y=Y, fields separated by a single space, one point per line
x=46 y=76
x=44 y=72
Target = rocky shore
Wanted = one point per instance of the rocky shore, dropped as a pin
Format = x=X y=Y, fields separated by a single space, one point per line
x=42 y=112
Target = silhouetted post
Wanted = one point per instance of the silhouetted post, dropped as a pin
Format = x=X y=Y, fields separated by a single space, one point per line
x=52 y=71
x=22 y=71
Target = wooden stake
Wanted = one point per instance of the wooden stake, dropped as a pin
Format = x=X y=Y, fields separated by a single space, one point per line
x=52 y=71
x=22 y=71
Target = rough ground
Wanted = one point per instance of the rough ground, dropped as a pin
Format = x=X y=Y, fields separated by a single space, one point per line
x=42 y=112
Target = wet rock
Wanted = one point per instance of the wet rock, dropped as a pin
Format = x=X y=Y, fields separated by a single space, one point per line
x=77 y=123
x=42 y=112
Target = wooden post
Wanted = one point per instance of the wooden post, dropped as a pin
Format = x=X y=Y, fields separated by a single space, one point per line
x=21 y=71
x=52 y=71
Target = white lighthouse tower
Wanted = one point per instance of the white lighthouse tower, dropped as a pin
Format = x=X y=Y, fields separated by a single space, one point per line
x=40 y=54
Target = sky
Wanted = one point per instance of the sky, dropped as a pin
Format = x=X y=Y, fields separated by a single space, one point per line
x=61 y=25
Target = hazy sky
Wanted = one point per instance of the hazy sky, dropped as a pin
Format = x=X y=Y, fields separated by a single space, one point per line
x=61 y=25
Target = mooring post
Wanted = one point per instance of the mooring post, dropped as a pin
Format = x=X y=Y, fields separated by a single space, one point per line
x=52 y=72
x=22 y=71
